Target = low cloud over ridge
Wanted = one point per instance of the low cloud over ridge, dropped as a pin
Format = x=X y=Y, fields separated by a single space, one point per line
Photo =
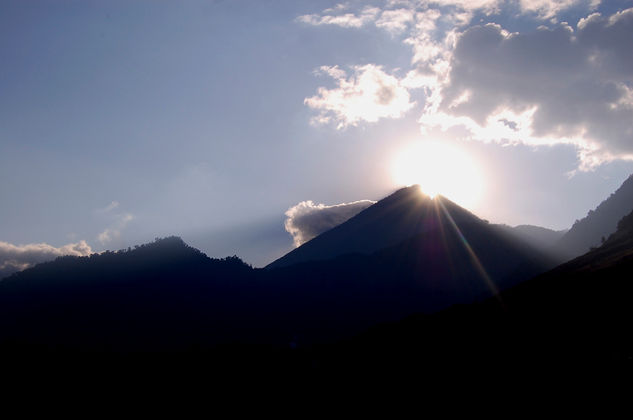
x=19 y=257
x=307 y=219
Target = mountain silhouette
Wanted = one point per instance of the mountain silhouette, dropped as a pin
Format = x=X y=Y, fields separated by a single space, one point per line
x=598 y=224
x=400 y=216
x=385 y=223
x=157 y=297
x=420 y=255
x=537 y=236
x=574 y=318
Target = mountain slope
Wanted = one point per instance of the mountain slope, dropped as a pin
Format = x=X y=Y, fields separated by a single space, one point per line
x=167 y=296
x=537 y=236
x=404 y=214
x=160 y=296
x=575 y=317
x=599 y=223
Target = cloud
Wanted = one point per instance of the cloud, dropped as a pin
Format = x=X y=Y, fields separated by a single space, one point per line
x=395 y=21
x=548 y=9
x=15 y=258
x=113 y=232
x=306 y=220
x=113 y=205
x=346 y=20
x=548 y=86
x=569 y=84
x=394 y=15
x=368 y=95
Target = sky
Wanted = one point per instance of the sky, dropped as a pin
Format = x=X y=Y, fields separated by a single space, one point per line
x=246 y=127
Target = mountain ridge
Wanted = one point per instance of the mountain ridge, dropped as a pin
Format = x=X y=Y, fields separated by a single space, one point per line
x=386 y=223
x=140 y=300
x=573 y=317
x=599 y=223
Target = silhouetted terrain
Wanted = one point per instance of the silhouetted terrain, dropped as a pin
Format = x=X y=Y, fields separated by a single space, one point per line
x=424 y=302
x=158 y=296
x=576 y=316
x=400 y=216
x=599 y=223
x=167 y=296
x=537 y=236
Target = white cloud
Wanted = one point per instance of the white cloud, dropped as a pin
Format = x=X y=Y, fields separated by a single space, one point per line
x=369 y=94
x=394 y=15
x=307 y=220
x=486 y=6
x=544 y=87
x=346 y=20
x=395 y=21
x=429 y=51
x=548 y=9
x=19 y=257
x=566 y=85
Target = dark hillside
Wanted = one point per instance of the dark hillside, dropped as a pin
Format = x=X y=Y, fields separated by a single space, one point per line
x=599 y=223
x=167 y=296
x=575 y=317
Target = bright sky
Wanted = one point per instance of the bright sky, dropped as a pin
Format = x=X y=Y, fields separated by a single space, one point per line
x=121 y=121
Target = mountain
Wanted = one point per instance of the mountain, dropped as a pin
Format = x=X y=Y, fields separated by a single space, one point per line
x=159 y=296
x=574 y=318
x=599 y=223
x=402 y=215
x=406 y=254
x=537 y=236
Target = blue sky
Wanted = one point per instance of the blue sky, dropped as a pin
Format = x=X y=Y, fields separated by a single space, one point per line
x=121 y=121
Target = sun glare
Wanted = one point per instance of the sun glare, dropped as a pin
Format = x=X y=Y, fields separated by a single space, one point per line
x=439 y=168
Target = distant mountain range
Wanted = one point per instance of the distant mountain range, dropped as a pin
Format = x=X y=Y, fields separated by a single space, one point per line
x=537 y=236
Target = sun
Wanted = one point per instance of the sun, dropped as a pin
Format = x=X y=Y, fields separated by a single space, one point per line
x=439 y=168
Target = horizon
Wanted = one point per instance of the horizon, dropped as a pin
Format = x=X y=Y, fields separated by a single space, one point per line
x=247 y=128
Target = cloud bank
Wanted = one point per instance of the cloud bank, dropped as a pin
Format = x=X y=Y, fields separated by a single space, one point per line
x=306 y=220
x=15 y=258
x=557 y=84
x=562 y=85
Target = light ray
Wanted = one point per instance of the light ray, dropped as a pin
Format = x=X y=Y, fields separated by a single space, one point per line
x=473 y=256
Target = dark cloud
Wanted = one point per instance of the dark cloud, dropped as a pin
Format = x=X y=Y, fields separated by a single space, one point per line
x=307 y=220
x=577 y=82
x=19 y=257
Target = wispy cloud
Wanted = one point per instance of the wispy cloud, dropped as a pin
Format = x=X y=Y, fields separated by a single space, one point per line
x=395 y=21
x=345 y=20
x=113 y=205
x=548 y=9
x=113 y=232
